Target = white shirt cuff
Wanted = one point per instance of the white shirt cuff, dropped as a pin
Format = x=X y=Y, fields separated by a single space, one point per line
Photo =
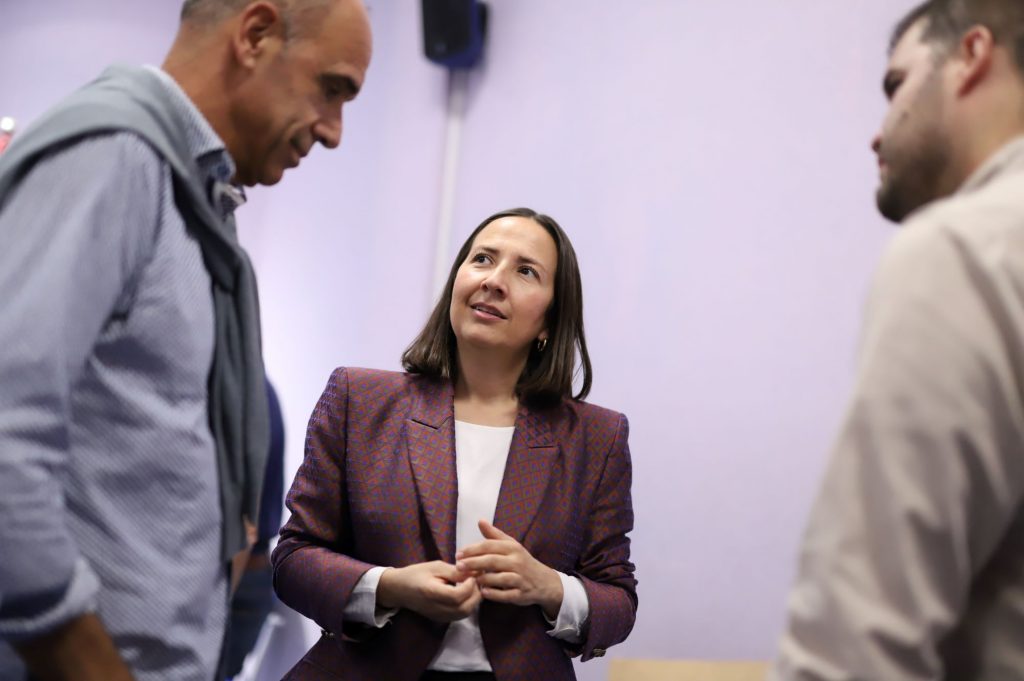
x=572 y=616
x=362 y=605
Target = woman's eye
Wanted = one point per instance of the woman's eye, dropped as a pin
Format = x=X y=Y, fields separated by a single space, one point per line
x=529 y=271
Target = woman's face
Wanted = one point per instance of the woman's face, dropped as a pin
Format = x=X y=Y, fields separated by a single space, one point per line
x=505 y=286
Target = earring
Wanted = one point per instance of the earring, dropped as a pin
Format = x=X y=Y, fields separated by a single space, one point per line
x=541 y=344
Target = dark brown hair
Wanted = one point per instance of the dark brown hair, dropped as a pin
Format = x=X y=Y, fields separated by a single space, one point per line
x=548 y=375
x=947 y=20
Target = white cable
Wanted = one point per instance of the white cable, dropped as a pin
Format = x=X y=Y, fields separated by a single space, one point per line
x=457 y=85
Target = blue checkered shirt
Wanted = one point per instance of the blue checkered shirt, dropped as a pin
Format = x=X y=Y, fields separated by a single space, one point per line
x=109 y=498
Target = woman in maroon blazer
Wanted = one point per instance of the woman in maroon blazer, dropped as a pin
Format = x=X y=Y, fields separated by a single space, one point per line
x=467 y=519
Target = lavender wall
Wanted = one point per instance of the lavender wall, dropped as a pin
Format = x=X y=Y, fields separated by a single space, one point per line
x=710 y=161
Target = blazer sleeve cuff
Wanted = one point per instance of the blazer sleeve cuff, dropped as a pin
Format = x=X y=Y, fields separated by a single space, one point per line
x=612 y=614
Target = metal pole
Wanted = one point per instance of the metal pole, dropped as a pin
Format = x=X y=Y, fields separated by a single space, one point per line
x=458 y=80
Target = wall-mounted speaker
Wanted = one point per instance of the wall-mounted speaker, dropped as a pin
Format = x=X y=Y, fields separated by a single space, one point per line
x=454 y=32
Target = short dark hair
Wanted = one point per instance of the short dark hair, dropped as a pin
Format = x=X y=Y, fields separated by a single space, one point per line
x=297 y=14
x=205 y=11
x=947 y=20
x=548 y=375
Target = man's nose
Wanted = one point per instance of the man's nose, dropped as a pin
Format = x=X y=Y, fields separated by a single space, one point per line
x=327 y=131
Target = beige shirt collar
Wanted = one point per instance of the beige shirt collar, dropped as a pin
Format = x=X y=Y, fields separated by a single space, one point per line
x=1009 y=157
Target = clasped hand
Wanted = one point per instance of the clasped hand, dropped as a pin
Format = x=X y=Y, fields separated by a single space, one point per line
x=498 y=569
x=506 y=572
x=436 y=590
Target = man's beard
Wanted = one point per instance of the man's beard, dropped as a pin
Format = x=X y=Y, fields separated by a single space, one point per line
x=920 y=162
x=915 y=179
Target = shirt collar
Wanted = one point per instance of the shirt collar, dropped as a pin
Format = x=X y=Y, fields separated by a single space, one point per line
x=206 y=147
x=1009 y=157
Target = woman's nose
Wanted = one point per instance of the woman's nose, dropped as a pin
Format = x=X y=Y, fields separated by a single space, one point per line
x=495 y=281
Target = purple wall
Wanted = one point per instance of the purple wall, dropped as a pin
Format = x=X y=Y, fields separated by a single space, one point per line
x=711 y=163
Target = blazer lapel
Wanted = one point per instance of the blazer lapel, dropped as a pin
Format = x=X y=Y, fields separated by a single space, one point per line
x=531 y=457
x=430 y=439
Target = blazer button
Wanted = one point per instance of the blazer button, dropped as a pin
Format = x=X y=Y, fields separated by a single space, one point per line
x=328 y=634
x=599 y=652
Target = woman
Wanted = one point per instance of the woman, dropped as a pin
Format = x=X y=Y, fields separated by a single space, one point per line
x=467 y=519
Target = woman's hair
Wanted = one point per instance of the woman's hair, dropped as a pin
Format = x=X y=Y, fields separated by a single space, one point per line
x=548 y=375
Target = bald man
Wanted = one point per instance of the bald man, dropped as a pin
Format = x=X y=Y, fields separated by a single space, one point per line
x=133 y=429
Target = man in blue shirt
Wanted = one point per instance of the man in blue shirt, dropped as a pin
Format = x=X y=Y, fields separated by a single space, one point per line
x=133 y=417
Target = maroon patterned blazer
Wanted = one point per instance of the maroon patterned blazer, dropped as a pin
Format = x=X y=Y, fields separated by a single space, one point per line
x=378 y=487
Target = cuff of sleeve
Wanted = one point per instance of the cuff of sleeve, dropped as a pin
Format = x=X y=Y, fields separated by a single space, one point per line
x=79 y=598
x=362 y=604
x=572 y=616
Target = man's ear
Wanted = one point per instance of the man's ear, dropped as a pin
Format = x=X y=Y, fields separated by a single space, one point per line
x=974 y=58
x=256 y=29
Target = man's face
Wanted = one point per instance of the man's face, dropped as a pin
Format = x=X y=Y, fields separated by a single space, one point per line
x=296 y=94
x=913 y=146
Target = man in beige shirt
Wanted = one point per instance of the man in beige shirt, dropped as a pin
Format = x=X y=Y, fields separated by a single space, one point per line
x=912 y=566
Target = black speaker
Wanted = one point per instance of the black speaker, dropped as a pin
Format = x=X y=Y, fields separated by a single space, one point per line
x=454 y=32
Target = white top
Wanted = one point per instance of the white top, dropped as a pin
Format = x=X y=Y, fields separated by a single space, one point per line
x=480 y=465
